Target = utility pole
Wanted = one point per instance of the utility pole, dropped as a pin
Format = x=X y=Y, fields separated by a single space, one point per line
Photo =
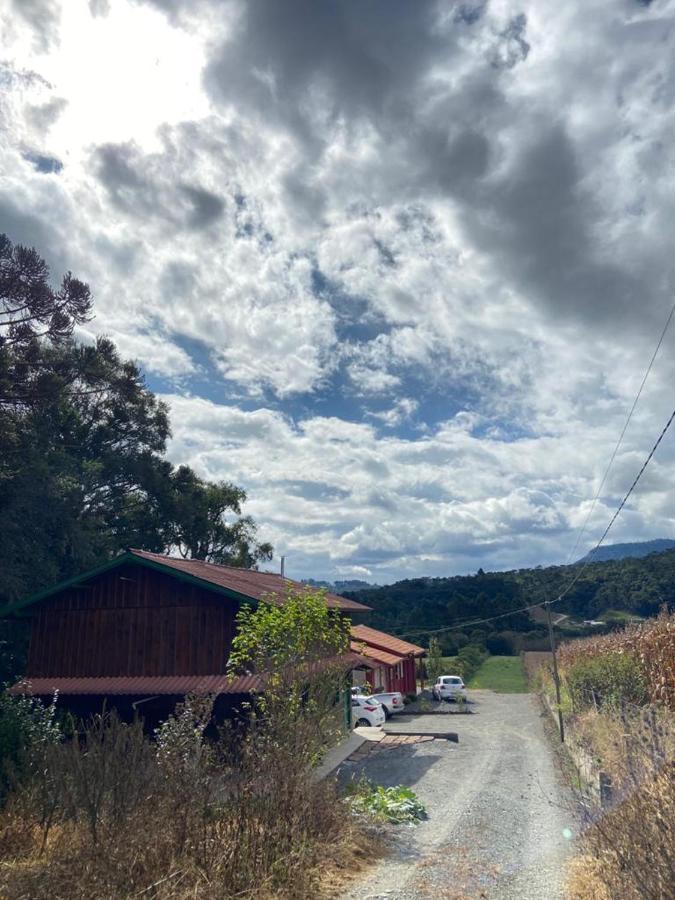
x=556 y=676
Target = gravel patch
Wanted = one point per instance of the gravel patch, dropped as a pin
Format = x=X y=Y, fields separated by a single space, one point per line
x=499 y=817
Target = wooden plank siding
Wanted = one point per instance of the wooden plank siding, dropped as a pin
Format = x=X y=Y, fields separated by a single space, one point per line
x=131 y=621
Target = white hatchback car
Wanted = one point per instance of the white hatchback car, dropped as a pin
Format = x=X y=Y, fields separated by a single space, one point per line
x=367 y=711
x=449 y=687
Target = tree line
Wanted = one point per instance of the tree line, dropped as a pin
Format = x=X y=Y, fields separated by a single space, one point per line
x=415 y=608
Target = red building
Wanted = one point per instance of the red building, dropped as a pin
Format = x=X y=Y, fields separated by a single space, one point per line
x=393 y=660
x=145 y=628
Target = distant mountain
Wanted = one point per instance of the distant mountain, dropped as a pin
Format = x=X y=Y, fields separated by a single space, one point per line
x=635 y=550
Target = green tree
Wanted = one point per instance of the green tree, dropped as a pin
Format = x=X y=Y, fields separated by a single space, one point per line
x=83 y=473
x=434 y=659
x=203 y=521
x=297 y=647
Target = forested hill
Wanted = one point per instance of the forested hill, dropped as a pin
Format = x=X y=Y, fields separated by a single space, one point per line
x=417 y=606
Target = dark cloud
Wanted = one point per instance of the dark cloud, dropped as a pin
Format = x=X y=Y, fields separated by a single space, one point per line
x=33 y=229
x=302 y=61
x=540 y=222
x=146 y=186
x=206 y=207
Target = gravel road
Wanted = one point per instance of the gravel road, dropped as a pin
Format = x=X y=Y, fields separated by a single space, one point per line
x=499 y=818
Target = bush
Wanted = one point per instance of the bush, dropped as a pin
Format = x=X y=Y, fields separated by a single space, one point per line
x=609 y=680
x=111 y=813
x=27 y=726
x=471 y=658
x=651 y=644
x=501 y=644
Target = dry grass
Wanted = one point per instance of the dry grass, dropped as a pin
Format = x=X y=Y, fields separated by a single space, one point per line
x=533 y=662
x=112 y=815
x=628 y=848
x=651 y=643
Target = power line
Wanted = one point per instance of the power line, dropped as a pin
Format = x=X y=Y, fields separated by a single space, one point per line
x=457 y=625
x=621 y=436
x=589 y=557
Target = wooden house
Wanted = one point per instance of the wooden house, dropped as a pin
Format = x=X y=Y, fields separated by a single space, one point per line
x=393 y=661
x=146 y=629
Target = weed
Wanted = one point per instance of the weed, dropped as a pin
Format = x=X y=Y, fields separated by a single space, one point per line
x=397 y=804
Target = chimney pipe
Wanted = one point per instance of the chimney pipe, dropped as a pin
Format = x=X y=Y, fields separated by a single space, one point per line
x=283 y=565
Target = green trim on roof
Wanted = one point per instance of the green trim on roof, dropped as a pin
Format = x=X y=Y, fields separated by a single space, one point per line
x=127 y=557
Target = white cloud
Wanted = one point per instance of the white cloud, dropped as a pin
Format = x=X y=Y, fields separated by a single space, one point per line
x=414 y=215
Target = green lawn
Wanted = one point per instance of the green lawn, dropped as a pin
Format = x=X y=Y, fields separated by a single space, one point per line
x=504 y=674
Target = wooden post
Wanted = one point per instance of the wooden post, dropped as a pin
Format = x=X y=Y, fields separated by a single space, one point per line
x=556 y=677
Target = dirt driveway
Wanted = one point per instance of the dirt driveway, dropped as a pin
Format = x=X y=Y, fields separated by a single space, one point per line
x=499 y=819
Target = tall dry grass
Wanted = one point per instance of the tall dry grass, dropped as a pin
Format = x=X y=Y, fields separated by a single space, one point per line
x=113 y=814
x=627 y=847
x=651 y=643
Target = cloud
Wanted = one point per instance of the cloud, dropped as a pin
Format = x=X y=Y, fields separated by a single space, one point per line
x=399 y=265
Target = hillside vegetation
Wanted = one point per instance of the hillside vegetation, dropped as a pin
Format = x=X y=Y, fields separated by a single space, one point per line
x=615 y=590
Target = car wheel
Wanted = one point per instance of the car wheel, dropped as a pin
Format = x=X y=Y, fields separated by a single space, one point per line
x=363 y=723
x=387 y=714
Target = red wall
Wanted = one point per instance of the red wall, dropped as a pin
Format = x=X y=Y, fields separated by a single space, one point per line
x=131 y=621
x=401 y=677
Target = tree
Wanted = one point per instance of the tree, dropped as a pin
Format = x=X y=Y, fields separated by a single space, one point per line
x=198 y=526
x=29 y=307
x=83 y=473
x=434 y=659
x=298 y=648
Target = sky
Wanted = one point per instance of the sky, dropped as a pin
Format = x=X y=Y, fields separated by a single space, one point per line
x=397 y=267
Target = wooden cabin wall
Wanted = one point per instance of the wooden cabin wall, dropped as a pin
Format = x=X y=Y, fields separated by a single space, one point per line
x=131 y=621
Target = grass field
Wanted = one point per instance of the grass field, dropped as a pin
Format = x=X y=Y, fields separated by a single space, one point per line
x=504 y=674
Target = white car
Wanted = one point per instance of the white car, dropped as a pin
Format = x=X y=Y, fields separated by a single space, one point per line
x=391 y=702
x=449 y=687
x=367 y=711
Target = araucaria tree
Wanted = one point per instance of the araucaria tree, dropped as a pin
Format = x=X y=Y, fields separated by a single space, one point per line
x=83 y=472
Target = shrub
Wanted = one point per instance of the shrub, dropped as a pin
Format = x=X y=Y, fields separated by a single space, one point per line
x=607 y=680
x=434 y=661
x=27 y=727
x=650 y=643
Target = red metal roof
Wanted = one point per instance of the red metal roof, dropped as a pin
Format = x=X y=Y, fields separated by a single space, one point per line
x=141 y=685
x=151 y=685
x=248 y=582
x=385 y=641
x=381 y=656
